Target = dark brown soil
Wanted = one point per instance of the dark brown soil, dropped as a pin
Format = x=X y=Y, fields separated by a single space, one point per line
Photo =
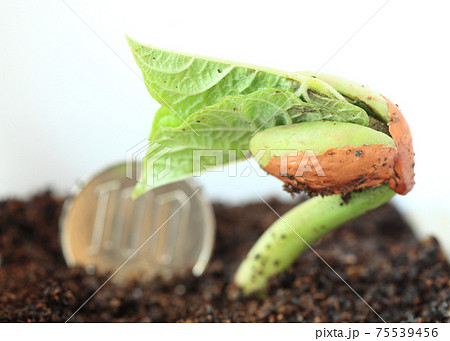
x=401 y=278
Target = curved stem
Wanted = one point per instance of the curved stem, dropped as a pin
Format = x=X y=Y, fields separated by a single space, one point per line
x=291 y=234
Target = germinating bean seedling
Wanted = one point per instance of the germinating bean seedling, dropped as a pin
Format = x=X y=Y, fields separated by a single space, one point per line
x=346 y=145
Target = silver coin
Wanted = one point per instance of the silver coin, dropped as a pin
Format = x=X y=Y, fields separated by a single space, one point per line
x=164 y=232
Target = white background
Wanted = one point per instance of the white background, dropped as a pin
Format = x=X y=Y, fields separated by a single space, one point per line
x=70 y=106
x=225 y=331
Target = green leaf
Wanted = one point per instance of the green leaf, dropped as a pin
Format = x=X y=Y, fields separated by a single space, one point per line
x=188 y=83
x=225 y=127
x=164 y=117
x=346 y=111
x=356 y=93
